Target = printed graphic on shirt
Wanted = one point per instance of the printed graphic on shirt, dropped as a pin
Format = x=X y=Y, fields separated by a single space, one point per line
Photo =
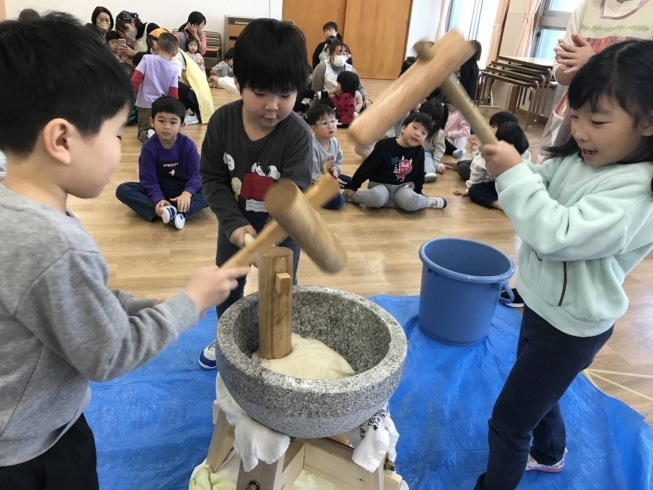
x=171 y=171
x=326 y=164
x=402 y=167
x=229 y=161
x=255 y=185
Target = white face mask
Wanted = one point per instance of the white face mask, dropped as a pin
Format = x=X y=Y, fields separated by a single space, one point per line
x=339 y=60
x=103 y=26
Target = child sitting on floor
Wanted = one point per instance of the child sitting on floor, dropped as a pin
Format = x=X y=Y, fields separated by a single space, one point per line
x=224 y=69
x=168 y=170
x=154 y=77
x=191 y=50
x=395 y=169
x=464 y=166
x=327 y=155
x=457 y=131
x=481 y=187
x=346 y=98
x=434 y=146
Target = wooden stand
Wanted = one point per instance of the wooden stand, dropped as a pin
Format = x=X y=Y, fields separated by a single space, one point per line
x=324 y=458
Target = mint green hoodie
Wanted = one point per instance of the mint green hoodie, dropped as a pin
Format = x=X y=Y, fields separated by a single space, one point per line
x=583 y=230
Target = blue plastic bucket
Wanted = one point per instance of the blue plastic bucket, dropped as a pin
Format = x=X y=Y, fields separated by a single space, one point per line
x=462 y=282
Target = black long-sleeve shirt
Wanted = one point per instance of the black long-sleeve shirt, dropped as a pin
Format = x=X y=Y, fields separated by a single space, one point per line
x=391 y=163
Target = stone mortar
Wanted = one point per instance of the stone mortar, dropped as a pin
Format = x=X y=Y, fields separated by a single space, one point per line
x=366 y=335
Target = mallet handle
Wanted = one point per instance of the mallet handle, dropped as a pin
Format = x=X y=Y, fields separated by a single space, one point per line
x=459 y=97
x=318 y=195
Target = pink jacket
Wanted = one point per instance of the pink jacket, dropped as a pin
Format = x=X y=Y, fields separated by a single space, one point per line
x=457 y=129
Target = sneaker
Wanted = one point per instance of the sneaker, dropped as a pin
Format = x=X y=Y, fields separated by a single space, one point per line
x=150 y=133
x=191 y=119
x=518 y=302
x=180 y=221
x=168 y=214
x=437 y=203
x=533 y=465
x=458 y=154
x=207 y=357
x=430 y=177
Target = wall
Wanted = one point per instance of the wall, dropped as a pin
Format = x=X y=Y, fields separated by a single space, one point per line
x=424 y=21
x=154 y=10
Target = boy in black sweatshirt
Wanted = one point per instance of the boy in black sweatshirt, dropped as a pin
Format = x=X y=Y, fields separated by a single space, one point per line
x=395 y=170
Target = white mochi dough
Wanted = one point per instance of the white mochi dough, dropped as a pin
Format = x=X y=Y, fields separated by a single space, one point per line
x=309 y=359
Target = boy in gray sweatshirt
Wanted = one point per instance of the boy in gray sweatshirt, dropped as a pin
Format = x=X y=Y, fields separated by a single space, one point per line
x=59 y=323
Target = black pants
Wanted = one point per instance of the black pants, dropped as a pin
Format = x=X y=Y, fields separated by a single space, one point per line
x=449 y=147
x=548 y=361
x=464 y=169
x=484 y=194
x=71 y=464
x=188 y=98
x=226 y=249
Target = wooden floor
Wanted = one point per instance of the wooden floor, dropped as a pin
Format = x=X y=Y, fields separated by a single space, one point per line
x=153 y=260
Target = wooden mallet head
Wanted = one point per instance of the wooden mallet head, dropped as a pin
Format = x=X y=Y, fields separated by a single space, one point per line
x=432 y=70
x=295 y=215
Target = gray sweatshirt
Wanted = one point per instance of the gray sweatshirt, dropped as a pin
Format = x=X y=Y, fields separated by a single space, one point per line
x=323 y=158
x=61 y=327
x=326 y=71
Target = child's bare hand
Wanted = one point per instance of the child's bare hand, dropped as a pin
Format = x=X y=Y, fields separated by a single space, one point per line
x=473 y=141
x=238 y=236
x=461 y=193
x=183 y=201
x=211 y=285
x=499 y=158
x=158 y=209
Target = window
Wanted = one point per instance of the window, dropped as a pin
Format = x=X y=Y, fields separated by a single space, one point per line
x=466 y=15
x=551 y=26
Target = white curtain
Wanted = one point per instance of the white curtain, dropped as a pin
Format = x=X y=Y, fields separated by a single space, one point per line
x=442 y=25
x=497 y=31
x=527 y=28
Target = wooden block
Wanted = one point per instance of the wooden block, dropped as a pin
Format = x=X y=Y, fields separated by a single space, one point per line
x=283 y=283
x=275 y=304
x=221 y=442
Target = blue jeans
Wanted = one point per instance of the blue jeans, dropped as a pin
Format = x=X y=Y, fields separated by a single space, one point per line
x=429 y=163
x=133 y=195
x=339 y=201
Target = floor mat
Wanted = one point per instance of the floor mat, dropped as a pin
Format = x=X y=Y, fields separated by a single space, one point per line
x=153 y=426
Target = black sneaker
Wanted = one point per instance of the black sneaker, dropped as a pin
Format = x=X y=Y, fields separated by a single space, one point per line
x=518 y=302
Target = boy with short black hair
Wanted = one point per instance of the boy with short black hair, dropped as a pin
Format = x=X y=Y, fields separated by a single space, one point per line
x=154 y=77
x=59 y=323
x=395 y=169
x=252 y=143
x=168 y=170
x=327 y=155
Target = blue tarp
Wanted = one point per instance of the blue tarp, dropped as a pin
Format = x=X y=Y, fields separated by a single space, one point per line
x=153 y=426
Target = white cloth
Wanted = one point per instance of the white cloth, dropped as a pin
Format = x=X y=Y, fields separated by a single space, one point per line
x=373 y=440
x=228 y=83
x=254 y=441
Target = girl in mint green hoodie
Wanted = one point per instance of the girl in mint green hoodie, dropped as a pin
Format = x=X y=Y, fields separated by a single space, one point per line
x=586 y=220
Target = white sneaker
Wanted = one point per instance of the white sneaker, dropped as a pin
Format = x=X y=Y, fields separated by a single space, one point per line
x=168 y=214
x=458 y=154
x=437 y=203
x=180 y=221
x=190 y=120
x=430 y=177
x=533 y=465
x=207 y=357
x=150 y=133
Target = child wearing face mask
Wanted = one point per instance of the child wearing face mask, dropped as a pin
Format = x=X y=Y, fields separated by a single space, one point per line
x=325 y=76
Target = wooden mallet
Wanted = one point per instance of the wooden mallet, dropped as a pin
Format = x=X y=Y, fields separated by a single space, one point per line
x=294 y=215
x=432 y=70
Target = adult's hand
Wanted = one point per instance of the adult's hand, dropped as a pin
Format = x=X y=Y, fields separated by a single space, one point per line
x=574 y=56
x=192 y=28
x=127 y=51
